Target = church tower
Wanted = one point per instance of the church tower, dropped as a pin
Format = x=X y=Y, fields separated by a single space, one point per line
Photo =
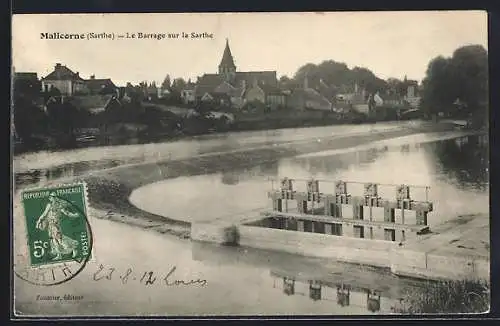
x=227 y=68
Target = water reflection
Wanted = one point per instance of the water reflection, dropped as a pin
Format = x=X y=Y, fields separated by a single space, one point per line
x=346 y=288
x=320 y=165
x=342 y=294
x=437 y=164
x=267 y=169
x=464 y=161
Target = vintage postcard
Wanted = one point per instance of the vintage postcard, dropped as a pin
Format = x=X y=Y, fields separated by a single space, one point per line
x=238 y=164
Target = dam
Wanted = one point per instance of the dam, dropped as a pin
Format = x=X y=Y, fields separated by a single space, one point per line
x=366 y=228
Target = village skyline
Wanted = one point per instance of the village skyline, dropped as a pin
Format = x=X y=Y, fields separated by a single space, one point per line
x=254 y=48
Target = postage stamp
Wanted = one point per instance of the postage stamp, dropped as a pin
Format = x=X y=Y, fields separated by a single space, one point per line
x=57 y=229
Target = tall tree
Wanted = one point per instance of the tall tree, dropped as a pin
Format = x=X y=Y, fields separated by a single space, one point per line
x=464 y=76
x=178 y=84
x=166 y=83
x=469 y=65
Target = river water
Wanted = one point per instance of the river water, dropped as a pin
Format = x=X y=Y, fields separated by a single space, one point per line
x=245 y=281
x=455 y=170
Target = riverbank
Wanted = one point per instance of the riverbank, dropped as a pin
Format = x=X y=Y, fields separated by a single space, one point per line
x=185 y=128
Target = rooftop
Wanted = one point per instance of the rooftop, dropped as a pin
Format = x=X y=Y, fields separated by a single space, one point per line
x=62 y=72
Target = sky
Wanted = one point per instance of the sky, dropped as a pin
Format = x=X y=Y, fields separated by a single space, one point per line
x=391 y=44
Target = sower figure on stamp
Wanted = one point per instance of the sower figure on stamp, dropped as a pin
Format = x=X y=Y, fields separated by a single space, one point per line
x=50 y=220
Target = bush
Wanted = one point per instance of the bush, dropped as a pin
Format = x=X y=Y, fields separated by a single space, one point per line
x=465 y=296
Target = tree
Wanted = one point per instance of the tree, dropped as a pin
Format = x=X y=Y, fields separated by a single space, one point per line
x=27 y=87
x=178 y=84
x=464 y=76
x=286 y=82
x=438 y=92
x=338 y=74
x=166 y=83
x=469 y=65
x=61 y=116
x=28 y=118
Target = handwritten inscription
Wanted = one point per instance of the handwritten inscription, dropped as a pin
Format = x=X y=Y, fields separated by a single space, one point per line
x=147 y=278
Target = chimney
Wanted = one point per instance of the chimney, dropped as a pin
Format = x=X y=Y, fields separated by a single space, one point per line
x=58 y=65
x=92 y=77
x=77 y=74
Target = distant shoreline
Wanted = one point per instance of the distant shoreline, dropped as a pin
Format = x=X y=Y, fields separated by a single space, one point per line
x=314 y=119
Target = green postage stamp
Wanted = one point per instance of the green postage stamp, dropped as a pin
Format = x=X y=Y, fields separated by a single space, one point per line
x=57 y=228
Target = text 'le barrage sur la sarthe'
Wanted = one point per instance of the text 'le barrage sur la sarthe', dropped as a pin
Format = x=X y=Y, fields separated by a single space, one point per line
x=126 y=35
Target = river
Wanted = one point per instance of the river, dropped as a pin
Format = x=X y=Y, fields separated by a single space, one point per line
x=245 y=281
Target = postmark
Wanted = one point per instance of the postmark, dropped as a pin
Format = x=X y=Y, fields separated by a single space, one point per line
x=59 y=239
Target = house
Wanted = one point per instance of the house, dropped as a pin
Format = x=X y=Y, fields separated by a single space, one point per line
x=163 y=92
x=308 y=98
x=215 y=98
x=327 y=91
x=270 y=95
x=231 y=82
x=188 y=93
x=356 y=99
x=412 y=96
x=65 y=80
x=70 y=83
x=392 y=99
x=100 y=86
x=237 y=97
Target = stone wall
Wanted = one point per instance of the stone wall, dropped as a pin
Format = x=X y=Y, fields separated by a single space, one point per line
x=379 y=253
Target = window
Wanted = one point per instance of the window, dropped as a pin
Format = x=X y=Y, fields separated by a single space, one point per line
x=358 y=212
x=308 y=226
x=359 y=231
x=389 y=215
x=336 y=210
x=337 y=229
x=319 y=227
x=390 y=234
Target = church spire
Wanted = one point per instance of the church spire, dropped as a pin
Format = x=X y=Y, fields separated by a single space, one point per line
x=227 y=58
x=227 y=68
